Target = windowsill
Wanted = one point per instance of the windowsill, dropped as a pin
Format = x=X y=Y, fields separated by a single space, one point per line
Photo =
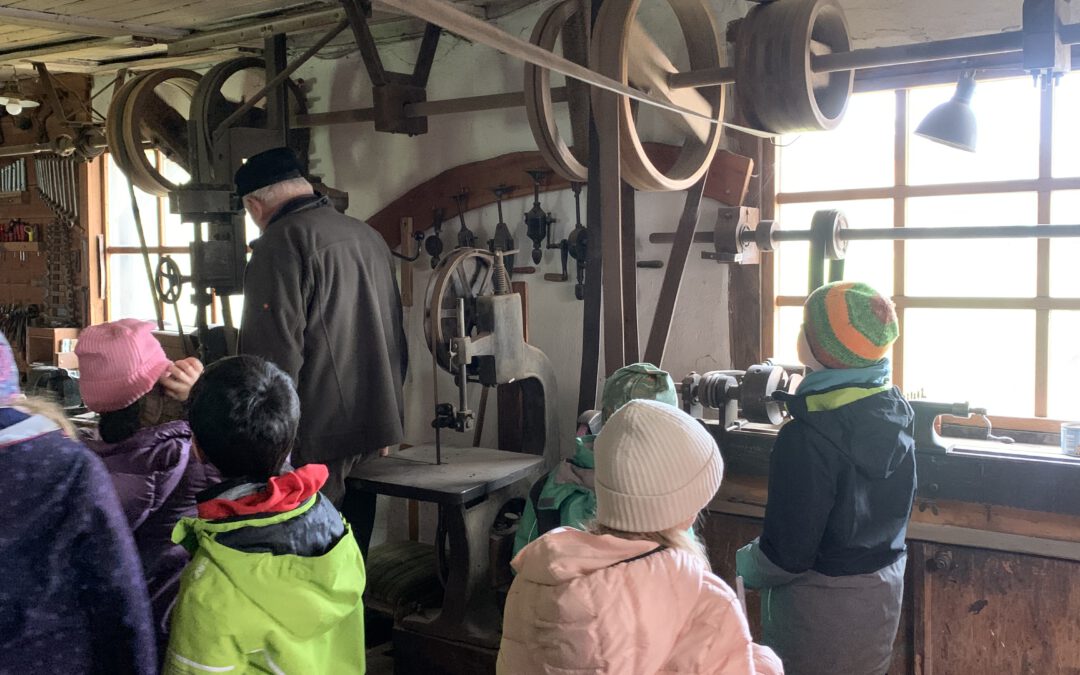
x=1018 y=451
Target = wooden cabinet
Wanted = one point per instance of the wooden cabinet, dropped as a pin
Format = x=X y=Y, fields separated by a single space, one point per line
x=967 y=611
x=979 y=611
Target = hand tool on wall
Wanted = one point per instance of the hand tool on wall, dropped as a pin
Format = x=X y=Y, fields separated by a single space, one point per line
x=434 y=243
x=466 y=238
x=538 y=222
x=503 y=239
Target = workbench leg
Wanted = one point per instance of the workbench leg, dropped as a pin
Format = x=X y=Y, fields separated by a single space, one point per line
x=470 y=613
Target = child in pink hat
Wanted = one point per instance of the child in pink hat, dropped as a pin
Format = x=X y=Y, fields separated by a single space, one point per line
x=125 y=376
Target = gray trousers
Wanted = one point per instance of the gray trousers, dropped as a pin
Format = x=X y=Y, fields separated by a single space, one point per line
x=821 y=625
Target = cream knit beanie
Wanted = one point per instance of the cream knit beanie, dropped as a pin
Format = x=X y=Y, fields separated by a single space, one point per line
x=656 y=468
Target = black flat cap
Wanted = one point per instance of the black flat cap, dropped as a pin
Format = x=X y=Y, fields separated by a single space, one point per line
x=266 y=168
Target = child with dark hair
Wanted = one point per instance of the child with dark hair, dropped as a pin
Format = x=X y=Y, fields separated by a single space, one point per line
x=145 y=444
x=276 y=577
x=72 y=596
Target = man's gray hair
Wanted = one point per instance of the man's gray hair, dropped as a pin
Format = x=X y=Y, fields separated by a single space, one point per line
x=286 y=189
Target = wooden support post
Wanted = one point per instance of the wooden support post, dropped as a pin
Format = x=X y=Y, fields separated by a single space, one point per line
x=631 y=343
x=610 y=198
x=669 y=291
x=590 y=332
x=744 y=281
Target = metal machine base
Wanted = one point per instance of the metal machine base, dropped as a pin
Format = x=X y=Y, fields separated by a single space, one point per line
x=471 y=486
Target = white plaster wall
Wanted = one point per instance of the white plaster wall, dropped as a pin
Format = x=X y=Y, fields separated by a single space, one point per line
x=376 y=168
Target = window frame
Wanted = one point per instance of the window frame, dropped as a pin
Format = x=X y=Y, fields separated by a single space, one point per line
x=158 y=250
x=1043 y=185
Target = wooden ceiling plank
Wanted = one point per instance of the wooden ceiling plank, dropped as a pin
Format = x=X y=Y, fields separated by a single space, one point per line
x=84 y=25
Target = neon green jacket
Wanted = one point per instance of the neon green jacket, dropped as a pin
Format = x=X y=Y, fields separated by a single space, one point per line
x=247 y=612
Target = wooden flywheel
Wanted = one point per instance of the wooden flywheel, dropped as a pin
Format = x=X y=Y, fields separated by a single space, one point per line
x=628 y=54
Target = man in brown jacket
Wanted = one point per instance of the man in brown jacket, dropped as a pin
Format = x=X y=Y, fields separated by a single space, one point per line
x=321 y=301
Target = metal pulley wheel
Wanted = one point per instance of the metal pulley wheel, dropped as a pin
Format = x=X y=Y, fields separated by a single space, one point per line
x=627 y=54
x=774 y=47
x=151 y=109
x=765 y=235
x=223 y=89
x=169 y=280
x=465 y=274
x=827 y=226
x=538 y=103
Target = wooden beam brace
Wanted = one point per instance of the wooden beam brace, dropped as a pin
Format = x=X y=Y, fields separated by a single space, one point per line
x=426 y=58
x=673 y=273
x=357 y=16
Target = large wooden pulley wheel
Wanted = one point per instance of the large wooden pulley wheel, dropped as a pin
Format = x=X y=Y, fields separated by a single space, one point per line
x=222 y=90
x=464 y=275
x=776 y=86
x=151 y=110
x=562 y=18
x=624 y=51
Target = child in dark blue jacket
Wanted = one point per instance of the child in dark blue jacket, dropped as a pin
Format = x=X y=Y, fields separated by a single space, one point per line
x=72 y=597
x=830 y=560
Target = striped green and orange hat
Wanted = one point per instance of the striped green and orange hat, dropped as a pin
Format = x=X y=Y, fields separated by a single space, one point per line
x=849 y=325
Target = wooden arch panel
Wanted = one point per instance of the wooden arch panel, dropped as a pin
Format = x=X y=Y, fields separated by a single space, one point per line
x=729 y=178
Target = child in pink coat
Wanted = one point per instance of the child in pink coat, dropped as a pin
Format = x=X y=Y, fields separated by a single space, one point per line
x=634 y=595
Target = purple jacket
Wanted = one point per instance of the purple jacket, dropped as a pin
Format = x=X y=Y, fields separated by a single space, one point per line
x=157 y=478
x=72 y=599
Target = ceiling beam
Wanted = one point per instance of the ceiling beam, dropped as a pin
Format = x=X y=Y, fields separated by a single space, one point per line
x=384 y=26
x=85 y=25
x=59 y=47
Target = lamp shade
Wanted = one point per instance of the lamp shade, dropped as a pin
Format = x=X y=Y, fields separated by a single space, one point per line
x=953 y=123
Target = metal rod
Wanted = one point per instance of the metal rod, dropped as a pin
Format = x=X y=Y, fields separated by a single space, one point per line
x=451 y=106
x=456 y=21
x=937 y=50
x=907 y=233
x=878 y=57
x=978 y=232
x=463 y=372
x=219 y=133
x=706 y=77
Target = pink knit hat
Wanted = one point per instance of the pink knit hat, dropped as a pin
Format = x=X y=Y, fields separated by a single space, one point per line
x=119 y=363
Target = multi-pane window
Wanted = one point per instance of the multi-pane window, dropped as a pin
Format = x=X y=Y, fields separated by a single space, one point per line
x=129 y=292
x=992 y=322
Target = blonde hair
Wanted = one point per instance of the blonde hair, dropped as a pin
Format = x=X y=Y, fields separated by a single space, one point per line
x=674 y=538
x=47 y=409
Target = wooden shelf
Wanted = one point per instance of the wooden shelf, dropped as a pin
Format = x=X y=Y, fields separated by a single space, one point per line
x=21 y=246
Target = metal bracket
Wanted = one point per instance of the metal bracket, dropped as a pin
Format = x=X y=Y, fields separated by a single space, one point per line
x=392 y=92
x=1045 y=55
x=734 y=237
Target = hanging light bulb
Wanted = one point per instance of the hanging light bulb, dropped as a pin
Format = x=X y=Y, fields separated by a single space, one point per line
x=13 y=107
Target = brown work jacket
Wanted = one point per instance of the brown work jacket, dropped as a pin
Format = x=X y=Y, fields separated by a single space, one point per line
x=321 y=301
